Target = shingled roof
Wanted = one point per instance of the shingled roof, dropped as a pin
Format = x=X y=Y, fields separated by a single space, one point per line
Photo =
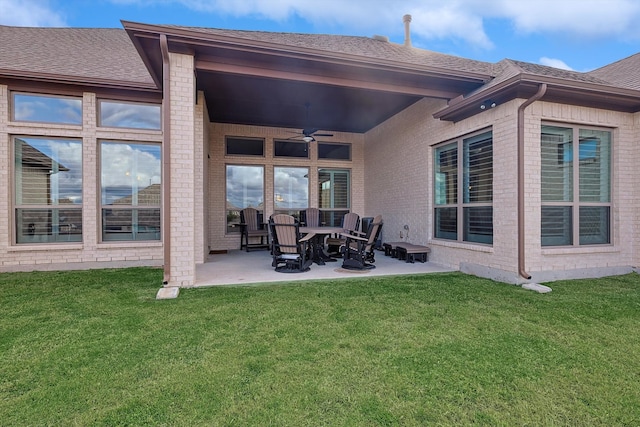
x=357 y=46
x=624 y=73
x=79 y=55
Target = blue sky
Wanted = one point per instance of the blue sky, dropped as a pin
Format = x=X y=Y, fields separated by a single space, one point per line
x=573 y=34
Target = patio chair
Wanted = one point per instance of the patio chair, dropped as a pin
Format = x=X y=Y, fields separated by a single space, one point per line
x=252 y=228
x=290 y=251
x=310 y=217
x=358 y=250
x=350 y=224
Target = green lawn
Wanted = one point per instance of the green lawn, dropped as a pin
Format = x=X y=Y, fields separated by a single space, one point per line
x=96 y=348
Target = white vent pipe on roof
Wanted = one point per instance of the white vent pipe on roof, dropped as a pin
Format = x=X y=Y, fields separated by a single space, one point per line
x=407 y=30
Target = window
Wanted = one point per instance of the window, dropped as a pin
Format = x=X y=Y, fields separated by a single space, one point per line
x=245 y=188
x=129 y=115
x=48 y=190
x=291 y=190
x=291 y=149
x=130 y=191
x=567 y=220
x=333 y=151
x=473 y=200
x=334 y=195
x=47 y=109
x=244 y=146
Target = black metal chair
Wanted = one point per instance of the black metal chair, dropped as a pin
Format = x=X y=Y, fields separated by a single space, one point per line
x=350 y=224
x=358 y=250
x=291 y=253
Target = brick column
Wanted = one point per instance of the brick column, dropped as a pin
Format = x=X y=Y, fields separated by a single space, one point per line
x=182 y=271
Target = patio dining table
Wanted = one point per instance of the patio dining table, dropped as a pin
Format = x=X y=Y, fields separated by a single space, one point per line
x=318 y=255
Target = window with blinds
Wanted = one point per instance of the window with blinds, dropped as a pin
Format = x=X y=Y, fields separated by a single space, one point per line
x=130 y=191
x=334 y=195
x=465 y=212
x=567 y=220
x=48 y=190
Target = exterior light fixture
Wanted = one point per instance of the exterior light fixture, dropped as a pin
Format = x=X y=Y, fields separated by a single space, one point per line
x=488 y=104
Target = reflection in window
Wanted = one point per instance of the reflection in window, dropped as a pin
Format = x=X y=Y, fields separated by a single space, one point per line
x=291 y=190
x=130 y=191
x=334 y=195
x=129 y=115
x=48 y=190
x=245 y=189
x=47 y=109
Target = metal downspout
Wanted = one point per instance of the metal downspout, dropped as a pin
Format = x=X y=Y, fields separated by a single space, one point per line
x=166 y=170
x=542 y=89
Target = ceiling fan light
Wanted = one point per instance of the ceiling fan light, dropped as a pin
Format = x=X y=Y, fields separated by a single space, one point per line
x=307 y=139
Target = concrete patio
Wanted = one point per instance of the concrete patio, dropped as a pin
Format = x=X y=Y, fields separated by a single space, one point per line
x=240 y=267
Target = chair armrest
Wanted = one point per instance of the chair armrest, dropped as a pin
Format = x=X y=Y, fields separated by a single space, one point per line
x=352 y=237
x=307 y=237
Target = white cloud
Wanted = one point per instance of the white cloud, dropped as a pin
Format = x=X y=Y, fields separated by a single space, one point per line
x=462 y=20
x=30 y=13
x=578 y=18
x=556 y=63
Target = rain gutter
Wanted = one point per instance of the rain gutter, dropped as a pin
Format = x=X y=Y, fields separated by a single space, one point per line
x=166 y=169
x=542 y=89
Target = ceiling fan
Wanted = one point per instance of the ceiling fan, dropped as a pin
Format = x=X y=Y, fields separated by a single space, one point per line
x=309 y=134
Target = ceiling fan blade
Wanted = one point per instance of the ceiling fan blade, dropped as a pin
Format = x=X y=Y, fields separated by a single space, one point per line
x=309 y=132
x=322 y=134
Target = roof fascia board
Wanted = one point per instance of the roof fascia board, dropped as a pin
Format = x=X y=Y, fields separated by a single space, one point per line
x=76 y=80
x=185 y=36
x=511 y=85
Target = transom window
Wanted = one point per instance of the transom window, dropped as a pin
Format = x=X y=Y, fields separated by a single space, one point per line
x=130 y=191
x=334 y=151
x=464 y=190
x=48 y=190
x=575 y=186
x=46 y=108
x=285 y=148
x=237 y=146
x=129 y=115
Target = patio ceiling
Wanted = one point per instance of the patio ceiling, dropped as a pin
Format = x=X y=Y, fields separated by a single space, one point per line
x=265 y=84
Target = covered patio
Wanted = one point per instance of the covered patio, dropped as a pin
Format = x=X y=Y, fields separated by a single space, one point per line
x=239 y=267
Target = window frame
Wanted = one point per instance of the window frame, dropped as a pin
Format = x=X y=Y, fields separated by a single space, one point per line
x=575 y=207
x=101 y=101
x=301 y=144
x=332 y=215
x=294 y=211
x=347 y=145
x=227 y=138
x=459 y=207
x=134 y=208
x=53 y=208
x=230 y=228
x=14 y=104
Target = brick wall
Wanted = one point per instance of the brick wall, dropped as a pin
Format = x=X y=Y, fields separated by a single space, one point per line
x=399 y=178
x=219 y=239
x=89 y=253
